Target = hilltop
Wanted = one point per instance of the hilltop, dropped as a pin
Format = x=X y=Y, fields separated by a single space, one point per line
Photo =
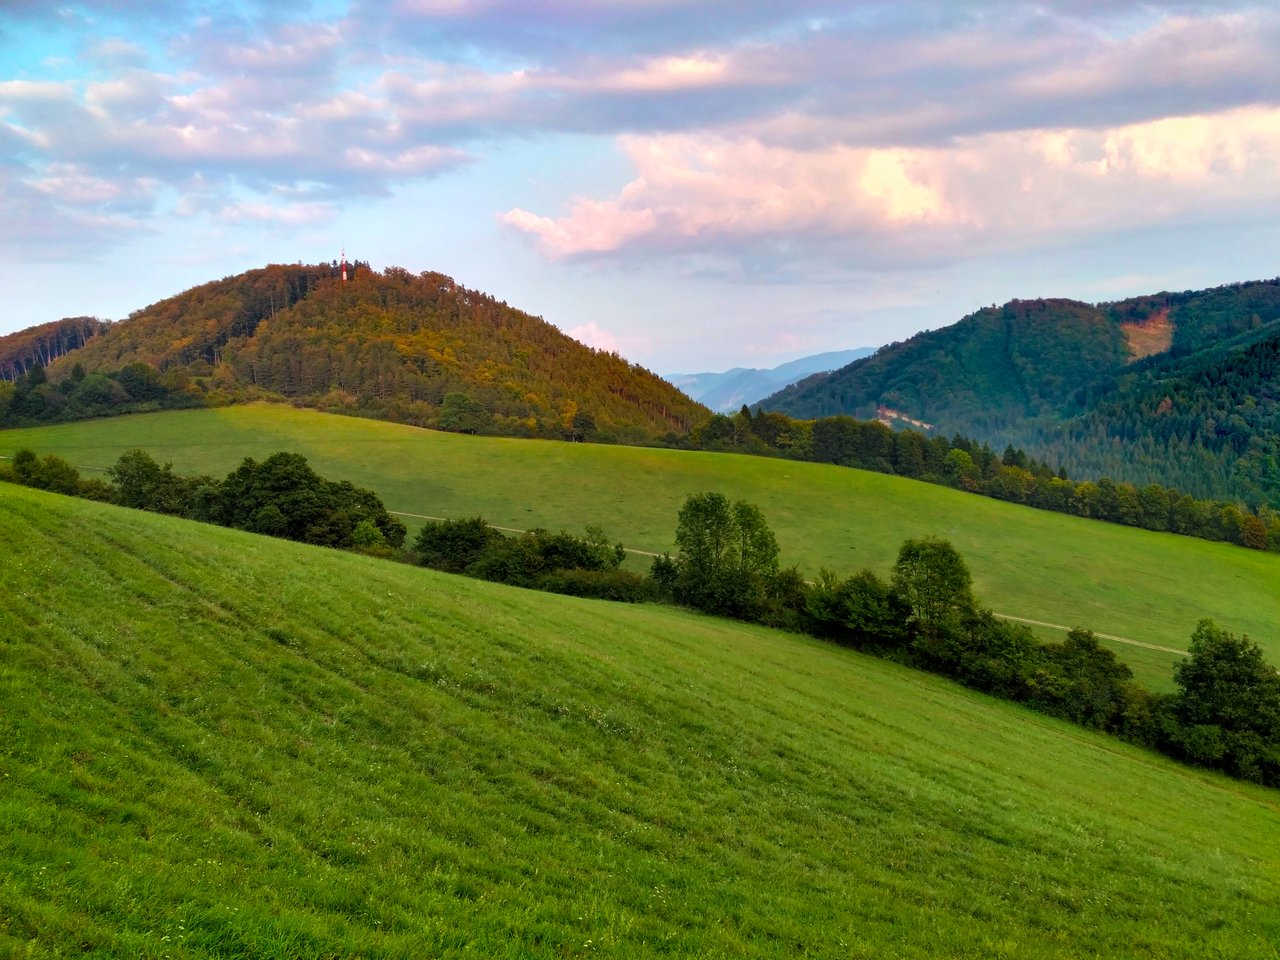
x=209 y=755
x=1173 y=388
x=417 y=349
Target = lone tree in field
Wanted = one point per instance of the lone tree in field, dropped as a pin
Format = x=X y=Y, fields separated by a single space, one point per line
x=728 y=557
x=1228 y=705
x=931 y=577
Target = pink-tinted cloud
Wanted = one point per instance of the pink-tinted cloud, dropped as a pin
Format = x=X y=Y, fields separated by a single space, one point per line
x=979 y=193
x=771 y=122
x=593 y=336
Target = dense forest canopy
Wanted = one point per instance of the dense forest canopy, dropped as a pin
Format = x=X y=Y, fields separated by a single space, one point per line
x=39 y=346
x=1173 y=388
x=417 y=348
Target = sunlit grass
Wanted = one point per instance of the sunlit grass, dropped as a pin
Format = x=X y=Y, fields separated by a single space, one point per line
x=213 y=744
x=1042 y=566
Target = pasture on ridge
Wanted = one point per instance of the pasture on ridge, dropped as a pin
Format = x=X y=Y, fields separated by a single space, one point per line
x=1150 y=587
x=222 y=745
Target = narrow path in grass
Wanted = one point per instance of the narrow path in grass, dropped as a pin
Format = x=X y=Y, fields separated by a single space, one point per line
x=1002 y=616
x=1101 y=636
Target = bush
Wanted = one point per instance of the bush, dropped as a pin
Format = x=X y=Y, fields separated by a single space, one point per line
x=454 y=545
x=618 y=585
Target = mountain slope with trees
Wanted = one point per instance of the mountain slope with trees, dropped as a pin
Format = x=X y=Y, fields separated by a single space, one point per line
x=39 y=346
x=1174 y=388
x=412 y=348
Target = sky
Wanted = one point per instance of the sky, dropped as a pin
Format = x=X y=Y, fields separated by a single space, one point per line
x=695 y=184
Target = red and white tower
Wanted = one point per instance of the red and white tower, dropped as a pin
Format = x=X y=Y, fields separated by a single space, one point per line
x=344 y=264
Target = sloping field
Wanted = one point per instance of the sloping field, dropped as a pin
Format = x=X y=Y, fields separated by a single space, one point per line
x=1028 y=563
x=213 y=744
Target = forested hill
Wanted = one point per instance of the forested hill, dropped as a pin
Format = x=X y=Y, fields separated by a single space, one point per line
x=994 y=366
x=1174 y=388
x=41 y=345
x=414 y=348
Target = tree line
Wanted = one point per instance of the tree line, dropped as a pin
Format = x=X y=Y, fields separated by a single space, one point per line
x=282 y=496
x=963 y=464
x=137 y=387
x=43 y=344
x=1225 y=713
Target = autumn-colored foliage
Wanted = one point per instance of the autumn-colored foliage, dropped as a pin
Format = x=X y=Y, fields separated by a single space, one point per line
x=416 y=348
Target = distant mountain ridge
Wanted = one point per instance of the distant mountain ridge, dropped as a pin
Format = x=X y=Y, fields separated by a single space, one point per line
x=728 y=391
x=415 y=348
x=1174 y=388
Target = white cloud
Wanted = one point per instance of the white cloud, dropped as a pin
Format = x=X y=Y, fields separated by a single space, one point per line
x=291 y=215
x=992 y=191
x=592 y=335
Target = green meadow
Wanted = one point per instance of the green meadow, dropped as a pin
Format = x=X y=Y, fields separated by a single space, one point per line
x=219 y=745
x=1041 y=566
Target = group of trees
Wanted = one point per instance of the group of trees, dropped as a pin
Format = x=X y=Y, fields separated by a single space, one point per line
x=1225 y=713
x=586 y=566
x=281 y=497
x=39 y=346
x=31 y=398
x=727 y=561
x=965 y=465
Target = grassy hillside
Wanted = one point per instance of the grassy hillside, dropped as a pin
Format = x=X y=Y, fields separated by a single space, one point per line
x=1042 y=566
x=221 y=745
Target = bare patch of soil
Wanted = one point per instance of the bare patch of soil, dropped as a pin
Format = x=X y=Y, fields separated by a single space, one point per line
x=1153 y=335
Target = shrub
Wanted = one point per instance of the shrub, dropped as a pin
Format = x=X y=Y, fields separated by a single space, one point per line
x=618 y=585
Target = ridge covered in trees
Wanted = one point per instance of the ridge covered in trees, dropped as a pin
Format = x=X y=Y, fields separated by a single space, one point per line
x=1174 y=388
x=414 y=348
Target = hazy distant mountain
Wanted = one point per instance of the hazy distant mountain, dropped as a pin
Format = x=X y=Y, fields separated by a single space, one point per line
x=728 y=391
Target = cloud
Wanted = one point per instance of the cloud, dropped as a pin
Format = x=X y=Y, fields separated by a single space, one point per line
x=591 y=335
x=773 y=122
x=293 y=215
x=994 y=191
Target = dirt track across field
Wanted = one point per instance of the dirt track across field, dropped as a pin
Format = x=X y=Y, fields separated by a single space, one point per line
x=1101 y=636
x=1002 y=616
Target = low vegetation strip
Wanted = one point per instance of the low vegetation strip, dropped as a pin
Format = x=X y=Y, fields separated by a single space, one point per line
x=218 y=745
